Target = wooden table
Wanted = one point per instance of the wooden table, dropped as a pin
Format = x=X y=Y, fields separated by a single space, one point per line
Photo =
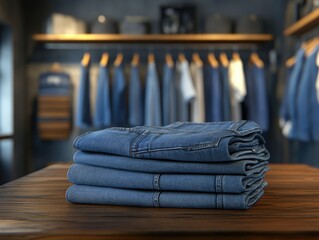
x=34 y=207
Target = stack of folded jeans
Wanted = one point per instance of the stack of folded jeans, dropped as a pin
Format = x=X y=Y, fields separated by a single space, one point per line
x=183 y=165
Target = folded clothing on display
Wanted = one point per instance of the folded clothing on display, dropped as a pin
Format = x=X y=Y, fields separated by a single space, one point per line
x=186 y=165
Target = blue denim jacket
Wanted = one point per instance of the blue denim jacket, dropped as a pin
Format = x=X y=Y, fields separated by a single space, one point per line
x=256 y=98
x=199 y=142
x=102 y=114
x=136 y=99
x=153 y=109
x=306 y=124
x=83 y=113
x=119 y=105
x=140 y=198
x=283 y=113
x=107 y=177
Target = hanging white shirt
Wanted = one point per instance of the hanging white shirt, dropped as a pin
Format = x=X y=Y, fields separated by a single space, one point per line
x=237 y=85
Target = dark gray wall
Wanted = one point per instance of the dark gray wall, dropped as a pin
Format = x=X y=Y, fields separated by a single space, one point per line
x=11 y=16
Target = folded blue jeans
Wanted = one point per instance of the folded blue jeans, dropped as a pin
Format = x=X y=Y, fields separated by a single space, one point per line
x=243 y=167
x=180 y=141
x=106 y=177
x=128 y=197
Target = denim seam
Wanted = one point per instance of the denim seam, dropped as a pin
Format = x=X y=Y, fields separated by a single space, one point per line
x=219 y=201
x=156 y=199
x=150 y=142
x=134 y=144
x=156 y=181
x=218 y=183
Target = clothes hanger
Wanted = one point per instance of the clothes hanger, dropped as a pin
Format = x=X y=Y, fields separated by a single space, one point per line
x=236 y=56
x=311 y=45
x=224 y=59
x=86 y=59
x=135 y=60
x=118 y=60
x=181 y=57
x=197 y=60
x=212 y=60
x=254 y=59
x=56 y=67
x=151 y=58
x=290 y=61
x=104 y=59
x=169 y=60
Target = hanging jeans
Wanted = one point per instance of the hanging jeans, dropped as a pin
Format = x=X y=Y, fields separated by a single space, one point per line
x=198 y=104
x=256 y=98
x=200 y=142
x=119 y=111
x=169 y=96
x=102 y=116
x=83 y=113
x=226 y=106
x=292 y=92
x=136 y=97
x=306 y=124
x=153 y=110
x=213 y=93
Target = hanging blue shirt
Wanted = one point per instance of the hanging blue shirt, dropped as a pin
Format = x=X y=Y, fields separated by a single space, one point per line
x=169 y=95
x=83 y=113
x=102 y=116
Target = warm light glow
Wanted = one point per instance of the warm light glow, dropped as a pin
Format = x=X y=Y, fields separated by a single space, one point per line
x=101 y=19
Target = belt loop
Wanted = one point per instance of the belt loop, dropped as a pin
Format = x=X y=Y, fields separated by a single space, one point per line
x=156 y=181
x=156 y=202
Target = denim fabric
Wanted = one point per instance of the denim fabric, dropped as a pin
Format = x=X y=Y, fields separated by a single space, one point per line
x=292 y=91
x=213 y=95
x=186 y=91
x=119 y=107
x=106 y=177
x=198 y=104
x=54 y=80
x=136 y=98
x=153 y=110
x=54 y=92
x=83 y=113
x=195 y=142
x=226 y=106
x=305 y=127
x=169 y=96
x=139 y=198
x=283 y=114
x=102 y=115
x=256 y=98
x=243 y=167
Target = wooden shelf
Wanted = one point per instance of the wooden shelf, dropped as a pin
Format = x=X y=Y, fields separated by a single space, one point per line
x=304 y=24
x=151 y=38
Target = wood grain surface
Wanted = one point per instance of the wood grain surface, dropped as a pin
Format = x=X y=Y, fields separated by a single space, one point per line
x=34 y=207
x=151 y=38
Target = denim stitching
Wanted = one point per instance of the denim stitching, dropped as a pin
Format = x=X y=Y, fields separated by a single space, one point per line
x=219 y=201
x=156 y=199
x=218 y=183
x=156 y=181
x=135 y=142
